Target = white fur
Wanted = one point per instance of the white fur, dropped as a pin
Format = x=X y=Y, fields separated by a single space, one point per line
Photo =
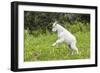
x=64 y=36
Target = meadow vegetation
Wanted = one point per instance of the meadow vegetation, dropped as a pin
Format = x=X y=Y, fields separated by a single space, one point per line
x=38 y=37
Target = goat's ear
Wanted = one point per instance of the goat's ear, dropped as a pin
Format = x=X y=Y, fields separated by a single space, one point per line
x=55 y=22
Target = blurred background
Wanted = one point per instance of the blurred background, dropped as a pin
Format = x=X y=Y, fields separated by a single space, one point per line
x=41 y=22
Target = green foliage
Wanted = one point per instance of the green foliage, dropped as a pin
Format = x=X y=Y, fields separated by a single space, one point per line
x=38 y=48
x=76 y=27
x=42 y=21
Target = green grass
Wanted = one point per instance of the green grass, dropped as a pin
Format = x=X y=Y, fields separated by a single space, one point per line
x=38 y=48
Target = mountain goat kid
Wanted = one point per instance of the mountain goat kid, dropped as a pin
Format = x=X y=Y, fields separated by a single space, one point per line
x=64 y=36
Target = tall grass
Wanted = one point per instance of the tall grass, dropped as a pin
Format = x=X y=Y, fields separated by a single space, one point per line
x=38 y=48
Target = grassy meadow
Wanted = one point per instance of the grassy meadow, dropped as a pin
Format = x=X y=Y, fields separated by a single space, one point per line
x=39 y=48
x=38 y=37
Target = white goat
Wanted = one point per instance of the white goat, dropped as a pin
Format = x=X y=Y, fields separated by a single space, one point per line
x=64 y=36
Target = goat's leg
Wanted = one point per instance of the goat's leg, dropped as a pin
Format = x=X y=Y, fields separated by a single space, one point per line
x=74 y=48
x=57 y=42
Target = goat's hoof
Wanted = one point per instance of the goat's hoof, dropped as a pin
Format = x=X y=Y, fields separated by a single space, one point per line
x=53 y=45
